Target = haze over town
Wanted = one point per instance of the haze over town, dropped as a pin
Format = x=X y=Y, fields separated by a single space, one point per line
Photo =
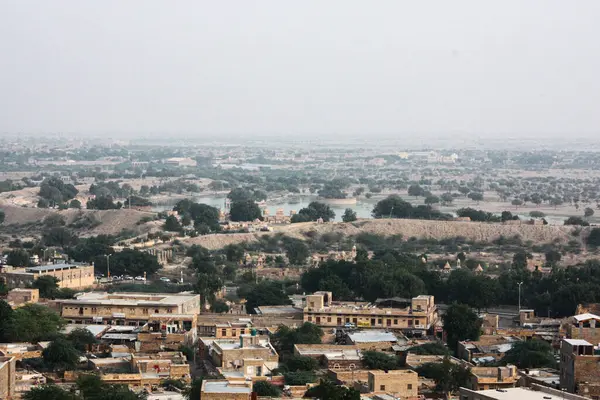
x=335 y=200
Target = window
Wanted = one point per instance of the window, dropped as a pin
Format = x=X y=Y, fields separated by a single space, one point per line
x=145 y=311
x=410 y=322
x=355 y=321
x=339 y=321
x=395 y=322
x=416 y=322
x=372 y=321
x=309 y=318
x=233 y=332
x=381 y=387
x=379 y=321
x=328 y=319
x=170 y=311
x=223 y=332
x=242 y=331
x=156 y=311
x=389 y=322
x=94 y=310
x=409 y=386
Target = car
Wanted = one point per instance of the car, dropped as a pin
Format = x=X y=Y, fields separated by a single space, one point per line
x=349 y=325
x=165 y=279
x=128 y=278
x=139 y=278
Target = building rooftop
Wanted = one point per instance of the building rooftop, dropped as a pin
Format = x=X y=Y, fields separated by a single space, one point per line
x=586 y=316
x=372 y=336
x=578 y=342
x=54 y=267
x=127 y=299
x=520 y=393
x=225 y=387
x=277 y=310
x=93 y=329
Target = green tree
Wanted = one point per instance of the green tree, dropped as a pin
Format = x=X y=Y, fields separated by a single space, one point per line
x=416 y=190
x=431 y=199
x=448 y=377
x=93 y=388
x=313 y=212
x=266 y=389
x=301 y=363
x=6 y=322
x=246 y=210
x=219 y=307
x=49 y=392
x=447 y=198
x=588 y=212
x=378 y=360
x=594 y=237
x=460 y=323
x=234 y=252
x=129 y=262
x=239 y=195
x=172 y=224
x=553 y=257
x=61 y=354
x=285 y=337
x=18 y=258
x=47 y=285
x=82 y=339
x=349 y=215
x=34 y=322
x=330 y=391
x=299 y=377
x=193 y=392
x=59 y=236
x=75 y=204
x=534 y=353
x=207 y=285
x=2 y=216
x=296 y=251
x=265 y=293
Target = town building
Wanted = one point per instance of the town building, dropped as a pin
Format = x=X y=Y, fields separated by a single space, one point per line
x=416 y=315
x=134 y=309
x=399 y=383
x=580 y=368
x=379 y=340
x=20 y=351
x=519 y=393
x=248 y=351
x=334 y=357
x=225 y=390
x=488 y=348
x=167 y=331
x=19 y=297
x=181 y=162
x=8 y=371
x=72 y=276
x=485 y=378
x=584 y=326
x=542 y=376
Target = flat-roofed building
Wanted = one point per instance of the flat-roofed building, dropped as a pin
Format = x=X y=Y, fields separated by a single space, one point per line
x=72 y=276
x=334 y=357
x=20 y=351
x=488 y=348
x=18 y=297
x=399 y=383
x=168 y=331
x=256 y=351
x=416 y=315
x=8 y=372
x=519 y=393
x=484 y=378
x=225 y=390
x=580 y=368
x=584 y=326
x=126 y=308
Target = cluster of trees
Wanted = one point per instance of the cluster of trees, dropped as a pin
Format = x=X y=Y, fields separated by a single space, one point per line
x=54 y=192
x=394 y=207
x=313 y=212
x=204 y=217
x=103 y=202
x=48 y=287
x=390 y=274
x=263 y=293
x=30 y=323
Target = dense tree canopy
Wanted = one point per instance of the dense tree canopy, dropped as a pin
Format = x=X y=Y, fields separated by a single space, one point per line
x=330 y=391
x=265 y=293
x=285 y=337
x=56 y=191
x=349 y=215
x=244 y=210
x=394 y=207
x=129 y=262
x=460 y=323
x=534 y=353
x=30 y=323
x=313 y=212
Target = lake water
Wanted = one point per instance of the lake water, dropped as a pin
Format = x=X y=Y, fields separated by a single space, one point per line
x=362 y=208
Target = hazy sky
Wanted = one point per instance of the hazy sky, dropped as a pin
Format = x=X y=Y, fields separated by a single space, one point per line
x=323 y=67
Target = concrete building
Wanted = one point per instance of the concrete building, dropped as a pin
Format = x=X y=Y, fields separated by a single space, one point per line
x=225 y=390
x=72 y=276
x=19 y=297
x=134 y=309
x=399 y=383
x=181 y=162
x=484 y=378
x=584 y=326
x=20 y=351
x=334 y=357
x=417 y=315
x=167 y=331
x=519 y=393
x=372 y=339
x=580 y=368
x=8 y=371
x=488 y=348
x=248 y=351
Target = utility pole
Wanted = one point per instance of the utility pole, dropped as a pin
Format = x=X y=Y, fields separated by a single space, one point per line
x=520 y=283
x=108 y=266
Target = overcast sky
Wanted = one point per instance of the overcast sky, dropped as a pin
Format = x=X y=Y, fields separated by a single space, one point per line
x=320 y=67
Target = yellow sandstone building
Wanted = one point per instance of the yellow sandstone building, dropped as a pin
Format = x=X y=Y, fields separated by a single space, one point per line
x=417 y=315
